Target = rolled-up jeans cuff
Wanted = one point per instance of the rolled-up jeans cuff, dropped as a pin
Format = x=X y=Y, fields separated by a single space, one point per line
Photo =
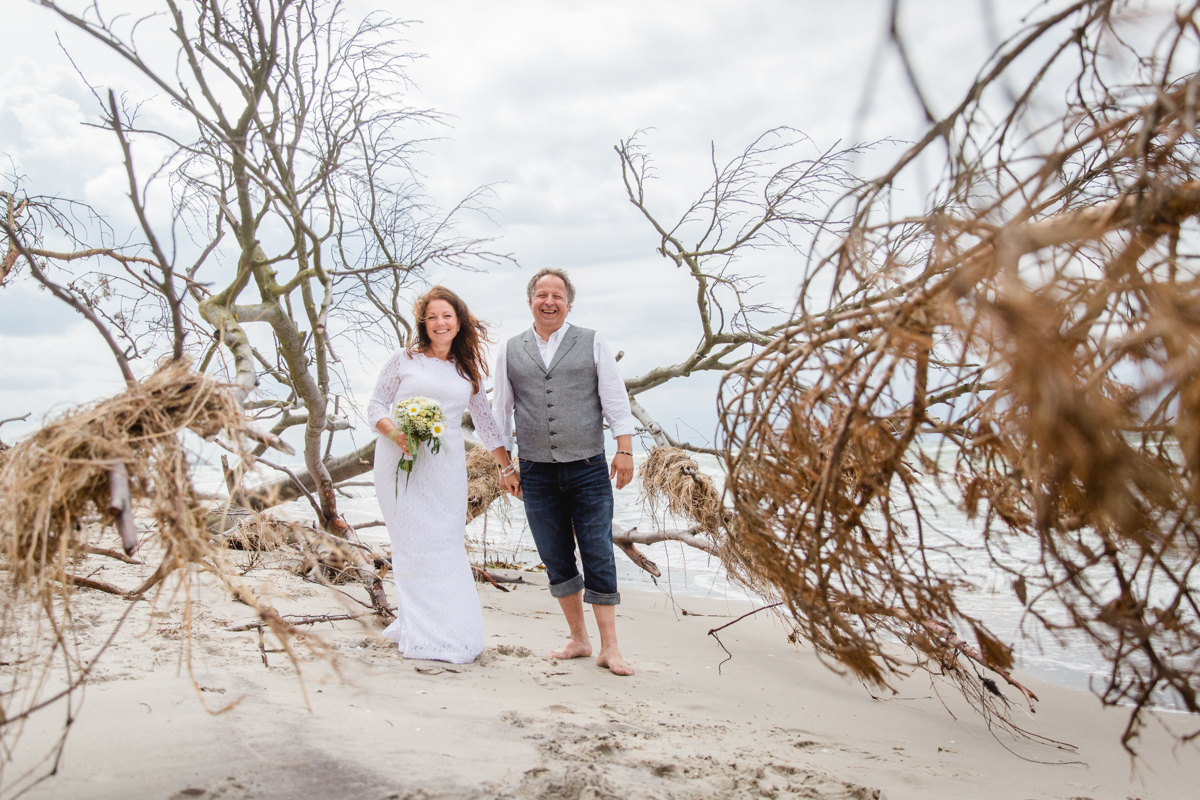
x=600 y=598
x=567 y=587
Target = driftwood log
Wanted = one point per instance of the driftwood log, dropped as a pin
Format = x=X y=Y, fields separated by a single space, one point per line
x=120 y=505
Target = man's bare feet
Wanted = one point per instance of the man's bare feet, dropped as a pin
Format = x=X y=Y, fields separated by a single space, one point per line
x=573 y=649
x=615 y=663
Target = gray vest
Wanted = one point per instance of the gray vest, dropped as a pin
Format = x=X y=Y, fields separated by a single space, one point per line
x=558 y=411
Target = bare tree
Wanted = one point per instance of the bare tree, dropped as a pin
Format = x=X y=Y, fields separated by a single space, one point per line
x=285 y=199
x=297 y=164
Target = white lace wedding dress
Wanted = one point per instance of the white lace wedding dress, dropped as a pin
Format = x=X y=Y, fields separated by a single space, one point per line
x=438 y=615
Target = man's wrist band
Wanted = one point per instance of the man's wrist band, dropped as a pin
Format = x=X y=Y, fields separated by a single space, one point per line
x=624 y=453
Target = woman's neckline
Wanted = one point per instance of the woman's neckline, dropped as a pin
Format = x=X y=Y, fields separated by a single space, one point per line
x=447 y=360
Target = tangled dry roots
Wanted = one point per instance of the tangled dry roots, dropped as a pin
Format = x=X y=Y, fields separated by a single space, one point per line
x=52 y=480
x=671 y=479
x=483 y=481
x=58 y=478
x=260 y=533
x=821 y=483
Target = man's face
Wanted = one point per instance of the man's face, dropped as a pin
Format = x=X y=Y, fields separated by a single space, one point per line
x=549 y=304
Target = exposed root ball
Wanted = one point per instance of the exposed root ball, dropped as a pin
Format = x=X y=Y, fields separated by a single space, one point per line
x=261 y=533
x=483 y=481
x=672 y=479
x=60 y=474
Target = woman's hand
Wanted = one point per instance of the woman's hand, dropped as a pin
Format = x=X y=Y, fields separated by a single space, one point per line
x=511 y=484
x=510 y=475
x=396 y=435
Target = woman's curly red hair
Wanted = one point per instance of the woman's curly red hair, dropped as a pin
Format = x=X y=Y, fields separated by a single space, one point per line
x=466 y=351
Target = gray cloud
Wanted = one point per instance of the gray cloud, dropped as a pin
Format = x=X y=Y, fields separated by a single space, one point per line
x=539 y=92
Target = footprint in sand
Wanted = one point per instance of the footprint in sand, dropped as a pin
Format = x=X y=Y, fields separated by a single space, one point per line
x=514 y=650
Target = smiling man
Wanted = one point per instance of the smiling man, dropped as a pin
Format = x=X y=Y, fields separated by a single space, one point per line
x=562 y=383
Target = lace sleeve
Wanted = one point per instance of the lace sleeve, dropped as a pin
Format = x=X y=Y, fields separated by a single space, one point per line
x=485 y=423
x=386 y=386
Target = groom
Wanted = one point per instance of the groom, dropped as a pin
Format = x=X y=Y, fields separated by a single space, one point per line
x=562 y=381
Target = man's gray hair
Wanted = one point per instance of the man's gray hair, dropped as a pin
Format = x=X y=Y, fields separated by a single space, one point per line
x=561 y=274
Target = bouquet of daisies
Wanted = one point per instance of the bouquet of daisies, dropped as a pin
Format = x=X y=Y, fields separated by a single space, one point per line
x=422 y=419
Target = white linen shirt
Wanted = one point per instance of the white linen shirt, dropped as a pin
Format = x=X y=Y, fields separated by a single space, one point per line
x=614 y=399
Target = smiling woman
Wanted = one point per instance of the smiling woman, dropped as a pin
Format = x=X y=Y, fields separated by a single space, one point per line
x=437 y=612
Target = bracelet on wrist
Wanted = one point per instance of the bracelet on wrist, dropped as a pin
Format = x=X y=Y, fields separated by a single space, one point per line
x=506 y=471
x=624 y=453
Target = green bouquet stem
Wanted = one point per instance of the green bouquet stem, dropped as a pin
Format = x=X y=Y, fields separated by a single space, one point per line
x=406 y=465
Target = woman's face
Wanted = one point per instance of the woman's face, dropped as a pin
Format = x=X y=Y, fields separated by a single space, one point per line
x=441 y=323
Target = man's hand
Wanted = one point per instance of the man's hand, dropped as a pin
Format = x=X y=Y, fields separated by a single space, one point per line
x=510 y=478
x=511 y=484
x=622 y=469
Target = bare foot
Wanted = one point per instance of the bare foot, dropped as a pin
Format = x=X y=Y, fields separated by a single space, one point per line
x=615 y=663
x=573 y=649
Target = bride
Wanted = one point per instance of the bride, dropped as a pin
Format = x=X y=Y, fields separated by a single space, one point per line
x=438 y=615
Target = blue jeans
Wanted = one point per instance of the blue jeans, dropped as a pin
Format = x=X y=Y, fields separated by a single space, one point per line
x=572 y=502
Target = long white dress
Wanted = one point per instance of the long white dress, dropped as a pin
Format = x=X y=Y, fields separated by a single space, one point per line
x=438 y=615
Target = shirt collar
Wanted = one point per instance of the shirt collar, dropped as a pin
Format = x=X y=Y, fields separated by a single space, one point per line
x=555 y=337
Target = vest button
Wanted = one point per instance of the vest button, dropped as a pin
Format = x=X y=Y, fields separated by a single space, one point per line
x=549 y=391
x=547 y=377
x=551 y=433
x=549 y=405
x=552 y=419
x=553 y=447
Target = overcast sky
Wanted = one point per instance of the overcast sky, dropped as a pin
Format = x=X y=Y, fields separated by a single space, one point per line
x=538 y=93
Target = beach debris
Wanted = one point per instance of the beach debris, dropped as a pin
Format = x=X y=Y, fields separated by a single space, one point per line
x=714 y=631
x=106 y=457
x=120 y=464
x=630 y=549
x=120 y=506
x=1029 y=351
x=483 y=481
x=672 y=482
x=107 y=553
x=483 y=576
x=946 y=634
x=289 y=621
x=518 y=580
x=4 y=447
x=671 y=478
x=689 y=536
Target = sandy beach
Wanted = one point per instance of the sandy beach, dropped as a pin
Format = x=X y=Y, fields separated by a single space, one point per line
x=770 y=722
